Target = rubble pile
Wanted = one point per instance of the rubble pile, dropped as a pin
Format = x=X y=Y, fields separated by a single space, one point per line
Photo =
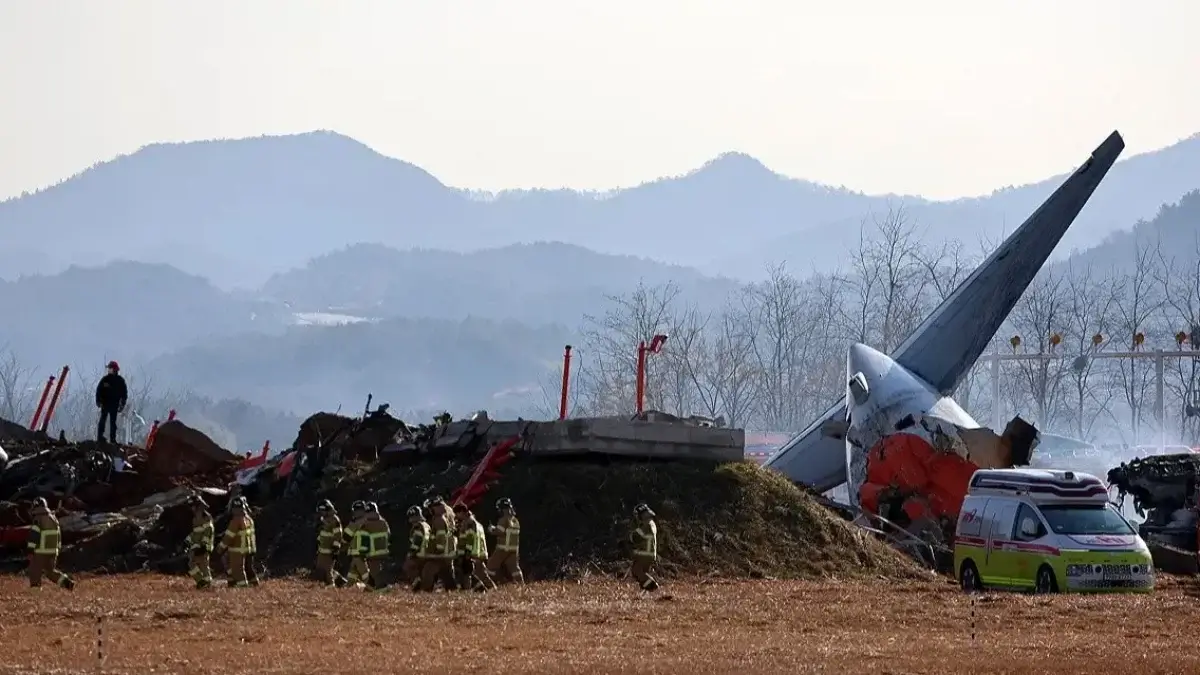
x=120 y=508
x=1165 y=491
x=714 y=519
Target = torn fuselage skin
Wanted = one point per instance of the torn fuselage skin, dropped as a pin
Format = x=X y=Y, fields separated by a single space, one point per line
x=910 y=451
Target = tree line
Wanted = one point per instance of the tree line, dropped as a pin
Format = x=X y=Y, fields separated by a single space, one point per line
x=773 y=357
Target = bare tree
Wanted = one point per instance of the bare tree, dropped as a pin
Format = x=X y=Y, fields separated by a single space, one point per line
x=684 y=366
x=1179 y=277
x=18 y=388
x=779 y=345
x=945 y=268
x=725 y=376
x=890 y=280
x=1038 y=315
x=1138 y=302
x=607 y=376
x=1088 y=312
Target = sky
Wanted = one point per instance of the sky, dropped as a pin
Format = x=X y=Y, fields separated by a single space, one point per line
x=930 y=97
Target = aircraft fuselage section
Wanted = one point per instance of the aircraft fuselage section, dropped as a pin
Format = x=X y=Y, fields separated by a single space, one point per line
x=883 y=398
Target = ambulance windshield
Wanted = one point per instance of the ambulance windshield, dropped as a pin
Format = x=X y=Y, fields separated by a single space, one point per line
x=1073 y=519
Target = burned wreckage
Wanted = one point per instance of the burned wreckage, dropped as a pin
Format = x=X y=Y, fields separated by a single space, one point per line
x=904 y=449
x=124 y=508
x=1165 y=492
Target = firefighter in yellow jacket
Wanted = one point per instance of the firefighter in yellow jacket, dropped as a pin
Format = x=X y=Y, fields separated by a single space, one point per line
x=45 y=542
x=439 y=561
x=329 y=542
x=252 y=538
x=200 y=543
x=419 y=535
x=357 y=574
x=375 y=535
x=237 y=540
x=472 y=550
x=645 y=547
x=506 y=556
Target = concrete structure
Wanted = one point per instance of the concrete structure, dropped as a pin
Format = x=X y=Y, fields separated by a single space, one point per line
x=634 y=438
x=618 y=436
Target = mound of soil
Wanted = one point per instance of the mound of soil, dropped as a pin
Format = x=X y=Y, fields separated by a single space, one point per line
x=734 y=520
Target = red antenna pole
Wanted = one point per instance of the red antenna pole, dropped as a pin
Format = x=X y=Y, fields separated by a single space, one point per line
x=150 y=436
x=37 y=414
x=641 y=375
x=62 y=378
x=562 y=404
x=655 y=346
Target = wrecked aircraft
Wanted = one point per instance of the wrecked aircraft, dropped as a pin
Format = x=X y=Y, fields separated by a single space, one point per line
x=1164 y=491
x=921 y=467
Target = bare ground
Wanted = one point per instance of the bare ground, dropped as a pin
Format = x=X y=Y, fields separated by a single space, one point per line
x=161 y=624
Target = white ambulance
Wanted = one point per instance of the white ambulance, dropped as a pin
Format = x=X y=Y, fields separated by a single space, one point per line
x=1046 y=531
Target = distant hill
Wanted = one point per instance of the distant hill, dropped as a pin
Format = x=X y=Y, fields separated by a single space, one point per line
x=123 y=310
x=534 y=283
x=1134 y=190
x=413 y=364
x=238 y=211
x=1175 y=229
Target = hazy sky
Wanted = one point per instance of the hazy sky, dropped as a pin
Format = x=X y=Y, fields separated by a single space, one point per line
x=935 y=97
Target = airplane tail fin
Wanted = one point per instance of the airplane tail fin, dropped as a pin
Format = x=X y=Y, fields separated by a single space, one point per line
x=949 y=342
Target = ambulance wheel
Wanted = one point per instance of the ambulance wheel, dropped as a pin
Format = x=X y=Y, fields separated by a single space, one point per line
x=1046 y=583
x=968 y=575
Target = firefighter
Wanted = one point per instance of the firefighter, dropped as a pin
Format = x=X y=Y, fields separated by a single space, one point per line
x=418 y=546
x=45 y=541
x=356 y=576
x=462 y=561
x=236 y=541
x=111 y=396
x=252 y=538
x=375 y=535
x=506 y=557
x=200 y=543
x=439 y=560
x=329 y=542
x=472 y=550
x=452 y=537
x=645 y=547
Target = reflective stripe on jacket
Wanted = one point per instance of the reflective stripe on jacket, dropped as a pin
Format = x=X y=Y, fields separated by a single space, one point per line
x=202 y=535
x=377 y=539
x=329 y=537
x=473 y=542
x=45 y=541
x=418 y=540
x=645 y=540
x=508 y=534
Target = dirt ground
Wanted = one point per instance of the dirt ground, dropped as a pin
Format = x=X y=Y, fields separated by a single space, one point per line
x=162 y=625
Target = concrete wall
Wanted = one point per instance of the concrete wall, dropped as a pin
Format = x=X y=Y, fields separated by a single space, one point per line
x=630 y=438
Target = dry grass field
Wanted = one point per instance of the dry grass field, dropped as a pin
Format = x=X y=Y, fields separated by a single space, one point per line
x=156 y=624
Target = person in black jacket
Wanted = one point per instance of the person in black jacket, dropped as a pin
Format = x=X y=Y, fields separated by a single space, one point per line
x=111 y=395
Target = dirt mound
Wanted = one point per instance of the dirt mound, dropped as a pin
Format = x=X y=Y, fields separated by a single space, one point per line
x=725 y=520
x=11 y=431
x=180 y=450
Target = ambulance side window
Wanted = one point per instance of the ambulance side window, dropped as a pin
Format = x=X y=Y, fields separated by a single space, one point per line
x=1028 y=526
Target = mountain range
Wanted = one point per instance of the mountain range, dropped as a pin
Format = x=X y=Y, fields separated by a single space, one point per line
x=209 y=262
x=238 y=212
